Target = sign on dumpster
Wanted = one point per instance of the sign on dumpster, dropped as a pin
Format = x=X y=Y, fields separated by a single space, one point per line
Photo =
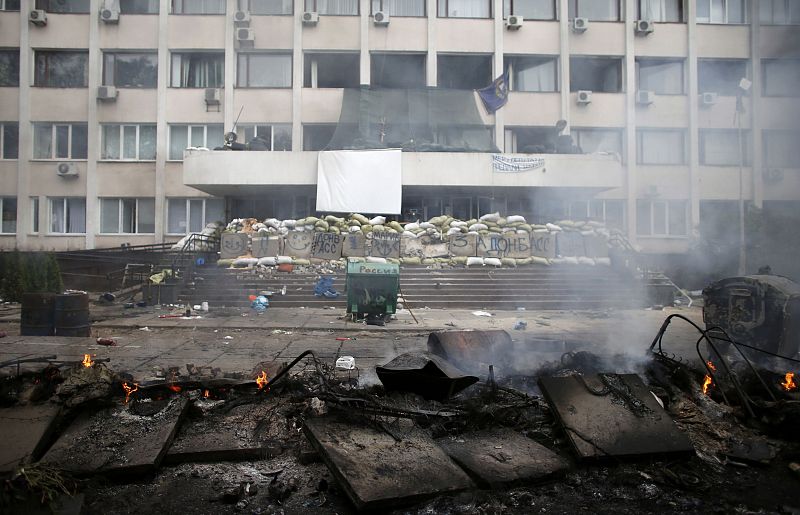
x=543 y=244
x=327 y=245
x=268 y=246
x=355 y=245
x=385 y=245
x=570 y=244
x=508 y=245
x=423 y=247
x=298 y=244
x=233 y=245
x=464 y=245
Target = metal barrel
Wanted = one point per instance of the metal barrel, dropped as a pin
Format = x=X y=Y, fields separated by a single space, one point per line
x=37 y=316
x=72 y=314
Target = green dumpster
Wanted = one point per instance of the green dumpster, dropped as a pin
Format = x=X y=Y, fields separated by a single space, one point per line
x=372 y=288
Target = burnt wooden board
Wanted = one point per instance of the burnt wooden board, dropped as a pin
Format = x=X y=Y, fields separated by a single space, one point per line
x=117 y=440
x=626 y=421
x=212 y=447
x=376 y=471
x=501 y=457
x=24 y=431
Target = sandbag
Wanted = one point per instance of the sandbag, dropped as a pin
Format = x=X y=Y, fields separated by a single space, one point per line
x=478 y=227
x=267 y=261
x=516 y=218
x=412 y=226
x=491 y=217
x=244 y=262
x=361 y=218
x=301 y=261
x=539 y=260
x=508 y=261
x=583 y=260
x=492 y=261
x=371 y=259
x=378 y=220
x=474 y=261
x=410 y=260
x=283 y=260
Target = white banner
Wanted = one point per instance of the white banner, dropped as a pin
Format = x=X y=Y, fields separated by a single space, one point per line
x=502 y=163
x=359 y=181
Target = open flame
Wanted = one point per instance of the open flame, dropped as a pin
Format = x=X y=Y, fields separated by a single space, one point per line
x=175 y=388
x=206 y=394
x=129 y=390
x=87 y=361
x=706 y=384
x=788 y=382
x=261 y=380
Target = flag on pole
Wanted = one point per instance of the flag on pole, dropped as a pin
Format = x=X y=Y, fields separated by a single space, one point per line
x=495 y=95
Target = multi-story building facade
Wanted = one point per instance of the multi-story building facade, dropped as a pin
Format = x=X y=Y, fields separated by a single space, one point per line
x=99 y=99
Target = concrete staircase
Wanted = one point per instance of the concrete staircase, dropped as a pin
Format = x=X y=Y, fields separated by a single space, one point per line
x=529 y=287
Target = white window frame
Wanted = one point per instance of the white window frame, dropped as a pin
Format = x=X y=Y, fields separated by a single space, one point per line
x=659 y=60
x=2 y=202
x=114 y=54
x=576 y=132
x=586 y=209
x=789 y=62
x=242 y=137
x=176 y=82
x=34 y=204
x=120 y=127
x=187 y=201
x=65 y=201
x=789 y=6
x=388 y=7
x=13 y=51
x=3 y=141
x=578 y=13
x=246 y=5
x=787 y=161
x=726 y=14
x=734 y=148
x=243 y=61
x=178 y=11
x=3 y=6
x=155 y=2
x=189 y=128
x=542 y=60
x=120 y=209
x=53 y=128
x=639 y=154
x=312 y=5
x=666 y=203
x=641 y=15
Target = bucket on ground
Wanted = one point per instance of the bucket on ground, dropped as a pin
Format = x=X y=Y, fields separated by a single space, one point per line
x=72 y=315
x=37 y=316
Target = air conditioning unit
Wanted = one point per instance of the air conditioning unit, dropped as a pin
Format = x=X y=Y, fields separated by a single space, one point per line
x=241 y=18
x=67 y=170
x=580 y=25
x=38 y=17
x=245 y=37
x=213 y=96
x=107 y=93
x=584 y=97
x=310 y=18
x=643 y=27
x=708 y=99
x=381 y=18
x=109 y=12
x=645 y=97
x=773 y=174
x=514 y=22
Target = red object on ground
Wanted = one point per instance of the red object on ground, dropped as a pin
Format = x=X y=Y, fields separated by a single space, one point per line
x=342 y=339
x=170 y=316
x=108 y=342
x=285 y=267
x=252 y=297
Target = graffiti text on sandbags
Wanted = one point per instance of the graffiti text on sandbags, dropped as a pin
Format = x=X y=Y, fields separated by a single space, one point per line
x=501 y=246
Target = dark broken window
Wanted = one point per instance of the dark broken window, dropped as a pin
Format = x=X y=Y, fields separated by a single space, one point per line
x=721 y=76
x=60 y=69
x=599 y=74
x=331 y=70
x=317 y=137
x=402 y=71
x=464 y=71
x=9 y=67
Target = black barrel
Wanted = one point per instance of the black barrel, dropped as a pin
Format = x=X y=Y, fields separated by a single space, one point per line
x=72 y=315
x=37 y=317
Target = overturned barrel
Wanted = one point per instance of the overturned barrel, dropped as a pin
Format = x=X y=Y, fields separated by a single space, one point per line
x=72 y=314
x=37 y=317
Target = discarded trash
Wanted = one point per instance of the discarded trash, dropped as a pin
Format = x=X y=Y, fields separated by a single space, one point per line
x=141 y=304
x=324 y=288
x=521 y=325
x=283 y=290
x=204 y=306
x=196 y=307
x=482 y=314
x=280 y=331
x=346 y=362
x=425 y=374
x=145 y=328
x=228 y=338
x=260 y=304
x=128 y=305
x=344 y=339
x=109 y=297
x=108 y=342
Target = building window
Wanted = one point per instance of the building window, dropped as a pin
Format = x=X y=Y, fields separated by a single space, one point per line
x=34 y=215
x=128 y=143
x=8 y=208
x=185 y=136
x=130 y=70
x=591 y=141
x=781 y=77
x=402 y=71
x=595 y=10
x=661 y=76
x=464 y=71
x=722 y=11
x=198 y=6
x=721 y=76
x=9 y=68
x=660 y=10
x=9 y=5
x=610 y=212
x=465 y=9
x=538 y=74
x=530 y=9
x=64 y=6
x=781 y=148
x=198 y=70
x=660 y=147
x=268 y=7
x=333 y=7
x=68 y=215
x=779 y=12
x=138 y=6
x=317 y=137
x=599 y=74
x=127 y=215
x=59 y=141
x=61 y=69
x=720 y=147
x=399 y=7
x=331 y=70
x=661 y=218
x=9 y=140
x=185 y=215
x=274 y=137
x=264 y=71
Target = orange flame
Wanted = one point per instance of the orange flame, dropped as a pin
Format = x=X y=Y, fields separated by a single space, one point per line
x=206 y=394
x=706 y=384
x=711 y=366
x=87 y=361
x=175 y=388
x=261 y=380
x=129 y=390
x=788 y=383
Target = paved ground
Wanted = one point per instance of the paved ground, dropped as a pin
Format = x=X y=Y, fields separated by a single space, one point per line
x=236 y=339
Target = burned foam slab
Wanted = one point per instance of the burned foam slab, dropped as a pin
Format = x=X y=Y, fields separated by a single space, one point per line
x=376 y=470
x=612 y=415
x=29 y=428
x=118 y=439
x=501 y=457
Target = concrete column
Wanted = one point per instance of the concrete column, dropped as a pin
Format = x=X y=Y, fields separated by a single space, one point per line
x=563 y=58
x=755 y=101
x=499 y=66
x=364 y=57
x=25 y=137
x=693 y=134
x=628 y=15
x=431 y=77
x=92 y=147
x=162 y=131
x=229 y=109
x=297 y=77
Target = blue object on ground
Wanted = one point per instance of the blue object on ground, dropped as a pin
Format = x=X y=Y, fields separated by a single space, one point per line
x=324 y=287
